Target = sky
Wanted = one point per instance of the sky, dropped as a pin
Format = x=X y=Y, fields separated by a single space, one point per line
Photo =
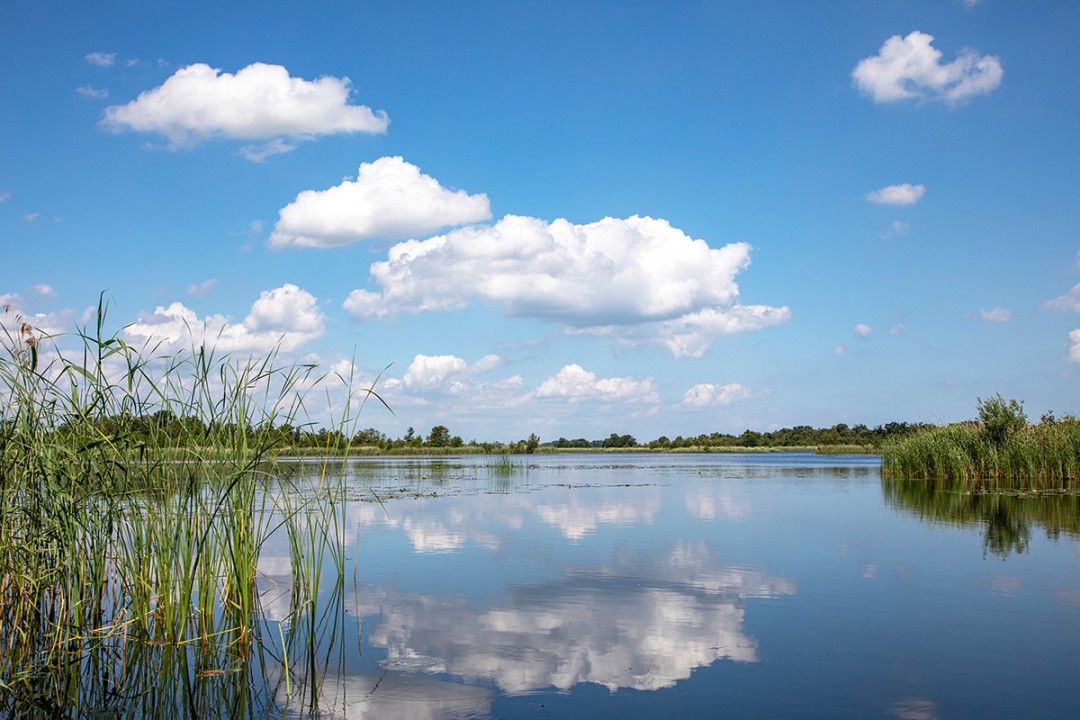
x=564 y=218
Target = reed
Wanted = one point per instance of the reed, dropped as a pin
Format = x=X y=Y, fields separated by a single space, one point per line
x=1000 y=450
x=137 y=491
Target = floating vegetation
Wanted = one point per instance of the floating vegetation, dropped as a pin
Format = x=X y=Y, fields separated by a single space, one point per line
x=1000 y=450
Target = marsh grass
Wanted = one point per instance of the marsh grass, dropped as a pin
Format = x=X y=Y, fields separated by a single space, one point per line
x=137 y=490
x=999 y=451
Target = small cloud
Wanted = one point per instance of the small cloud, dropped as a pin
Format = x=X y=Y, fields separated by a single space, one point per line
x=910 y=68
x=863 y=330
x=1069 y=302
x=5 y=196
x=969 y=4
x=995 y=315
x=131 y=62
x=101 y=59
x=261 y=151
x=31 y=216
x=896 y=229
x=44 y=290
x=897 y=330
x=197 y=290
x=902 y=194
x=709 y=395
x=839 y=349
x=256 y=227
x=92 y=92
x=1074 y=346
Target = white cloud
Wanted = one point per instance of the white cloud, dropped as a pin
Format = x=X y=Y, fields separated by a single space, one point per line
x=840 y=349
x=710 y=395
x=637 y=280
x=390 y=198
x=910 y=68
x=863 y=330
x=5 y=196
x=285 y=317
x=1074 y=345
x=44 y=290
x=896 y=229
x=256 y=226
x=92 y=92
x=969 y=4
x=31 y=216
x=260 y=151
x=897 y=330
x=258 y=102
x=995 y=315
x=575 y=383
x=1069 y=302
x=200 y=289
x=13 y=313
x=101 y=59
x=903 y=194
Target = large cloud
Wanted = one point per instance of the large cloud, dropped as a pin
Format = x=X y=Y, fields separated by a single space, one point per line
x=285 y=317
x=636 y=279
x=908 y=68
x=260 y=102
x=705 y=395
x=389 y=198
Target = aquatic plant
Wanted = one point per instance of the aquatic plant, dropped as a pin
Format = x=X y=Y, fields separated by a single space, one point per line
x=137 y=490
x=1001 y=449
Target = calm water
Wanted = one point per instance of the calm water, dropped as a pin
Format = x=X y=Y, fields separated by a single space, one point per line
x=638 y=586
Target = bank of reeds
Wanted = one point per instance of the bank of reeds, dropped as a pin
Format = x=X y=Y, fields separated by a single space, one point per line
x=1001 y=449
x=129 y=551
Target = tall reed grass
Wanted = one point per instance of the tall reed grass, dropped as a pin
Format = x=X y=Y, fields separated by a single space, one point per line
x=137 y=490
x=1001 y=449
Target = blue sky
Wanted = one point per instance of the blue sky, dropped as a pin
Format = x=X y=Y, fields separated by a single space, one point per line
x=183 y=155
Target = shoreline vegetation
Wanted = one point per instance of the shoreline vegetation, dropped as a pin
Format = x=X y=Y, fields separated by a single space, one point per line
x=1000 y=450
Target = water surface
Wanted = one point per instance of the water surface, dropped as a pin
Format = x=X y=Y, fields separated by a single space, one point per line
x=645 y=586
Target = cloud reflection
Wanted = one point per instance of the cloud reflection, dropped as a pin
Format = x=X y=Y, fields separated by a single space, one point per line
x=643 y=626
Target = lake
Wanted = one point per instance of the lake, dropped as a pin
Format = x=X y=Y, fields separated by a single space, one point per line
x=720 y=585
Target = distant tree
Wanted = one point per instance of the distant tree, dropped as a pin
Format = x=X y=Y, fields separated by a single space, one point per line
x=409 y=434
x=439 y=436
x=1001 y=418
x=532 y=443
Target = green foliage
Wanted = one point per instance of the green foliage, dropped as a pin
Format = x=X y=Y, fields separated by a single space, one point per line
x=1001 y=419
x=439 y=436
x=1001 y=449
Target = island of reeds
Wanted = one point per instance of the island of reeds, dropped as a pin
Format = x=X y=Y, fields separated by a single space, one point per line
x=1001 y=449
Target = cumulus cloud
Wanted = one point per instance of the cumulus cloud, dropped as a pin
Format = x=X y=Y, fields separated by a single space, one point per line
x=92 y=92
x=44 y=290
x=390 y=198
x=575 y=383
x=285 y=317
x=199 y=289
x=1074 y=346
x=430 y=371
x=705 y=395
x=14 y=312
x=1069 y=302
x=908 y=68
x=101 y=59
x=259 y=102
x=995 y=315
x=863 y=330
x=903 y=194
x=638 y=280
